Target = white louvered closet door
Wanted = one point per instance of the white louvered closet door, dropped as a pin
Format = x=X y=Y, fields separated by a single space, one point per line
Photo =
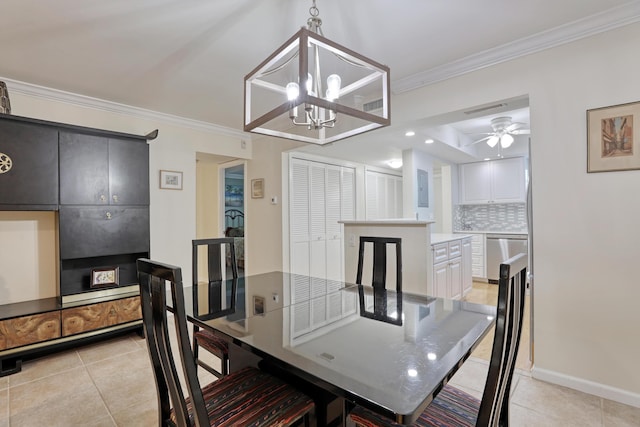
x=299 y=228
x=318 y=256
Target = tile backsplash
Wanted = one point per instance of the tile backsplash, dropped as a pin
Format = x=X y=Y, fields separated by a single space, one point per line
x=491 y=217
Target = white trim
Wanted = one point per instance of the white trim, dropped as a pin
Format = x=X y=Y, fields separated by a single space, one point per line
x=36 y=91
x=613 y=18
x=586 y=386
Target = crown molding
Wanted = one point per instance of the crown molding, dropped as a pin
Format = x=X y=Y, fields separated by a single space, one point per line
x=43 y=92
x=595 y=24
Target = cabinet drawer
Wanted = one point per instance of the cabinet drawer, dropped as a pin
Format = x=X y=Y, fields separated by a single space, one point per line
x=29 y=330
x=101 y=315
x=440 y=252
x=102 y=231
x=455 y=248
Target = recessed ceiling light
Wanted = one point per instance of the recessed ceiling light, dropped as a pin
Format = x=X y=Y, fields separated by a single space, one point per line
x=428 y=141
x=432 y=356
x=412 y=372
x=409 y=133
x=487 y=158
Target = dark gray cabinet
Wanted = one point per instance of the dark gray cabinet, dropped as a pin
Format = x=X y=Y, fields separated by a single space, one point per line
x=97 y=170
x=28 y=167
x=90 y=231
x=99 y=182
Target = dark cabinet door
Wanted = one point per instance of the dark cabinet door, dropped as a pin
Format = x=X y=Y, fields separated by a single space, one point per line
x=84 y=169
x=101 y=231
x=128 y=172
x=28 y=165
x=103 y=171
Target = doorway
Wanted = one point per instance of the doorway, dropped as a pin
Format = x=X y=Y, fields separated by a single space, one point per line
x=232 y=215
x=219 y=212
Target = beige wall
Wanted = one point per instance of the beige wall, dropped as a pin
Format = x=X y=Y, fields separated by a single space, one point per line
x=28 y=260
x=585 y=226
x=263 y=220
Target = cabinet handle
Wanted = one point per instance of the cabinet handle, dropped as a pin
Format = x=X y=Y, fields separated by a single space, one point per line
x=103 y=198
x=115 y=198
x=108 y=215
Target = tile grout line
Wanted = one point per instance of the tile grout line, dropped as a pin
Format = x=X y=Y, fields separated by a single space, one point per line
x=104 y=403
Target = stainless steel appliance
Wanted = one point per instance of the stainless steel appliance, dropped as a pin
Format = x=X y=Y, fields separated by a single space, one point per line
x=501 y=247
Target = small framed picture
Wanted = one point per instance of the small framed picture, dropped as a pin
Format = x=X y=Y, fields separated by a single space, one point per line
x=612 y=144
x=170 y=180
x=258 y=305
x=257 y=188
x=104 y=277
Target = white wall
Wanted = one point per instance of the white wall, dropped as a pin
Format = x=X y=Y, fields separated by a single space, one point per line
x=585 y=226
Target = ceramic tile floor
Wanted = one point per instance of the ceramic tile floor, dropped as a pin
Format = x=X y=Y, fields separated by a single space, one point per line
x=111 y=384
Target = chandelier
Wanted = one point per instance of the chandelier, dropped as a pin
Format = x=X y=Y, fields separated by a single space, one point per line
x=314 y=90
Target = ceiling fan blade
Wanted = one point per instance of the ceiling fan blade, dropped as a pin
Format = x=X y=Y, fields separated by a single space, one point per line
x=521 y=132
x=479 y=140
x=514 y=126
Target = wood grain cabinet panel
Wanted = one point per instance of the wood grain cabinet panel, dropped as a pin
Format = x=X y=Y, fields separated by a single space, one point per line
x=128 y=309
x=29 y=330
x=101 y=315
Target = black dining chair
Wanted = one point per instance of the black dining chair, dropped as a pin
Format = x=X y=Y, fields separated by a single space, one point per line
x=379 y=276
x=246 y=397
x=455 y=408
x=216 y=257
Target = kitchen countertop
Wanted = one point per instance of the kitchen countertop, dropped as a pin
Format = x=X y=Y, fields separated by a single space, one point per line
x=446 y=237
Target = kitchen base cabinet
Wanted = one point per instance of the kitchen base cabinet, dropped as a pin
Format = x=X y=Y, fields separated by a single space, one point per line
x=451 y=266
x=26 y=332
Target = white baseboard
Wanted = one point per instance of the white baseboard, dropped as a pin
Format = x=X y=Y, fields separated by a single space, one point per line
x=585 y=386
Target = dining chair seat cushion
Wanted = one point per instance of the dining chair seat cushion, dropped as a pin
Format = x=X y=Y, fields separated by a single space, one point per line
x=212 y=343
x=450 y=408
x=250 y=397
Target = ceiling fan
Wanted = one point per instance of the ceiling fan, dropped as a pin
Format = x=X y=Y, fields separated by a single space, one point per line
x=503 y=131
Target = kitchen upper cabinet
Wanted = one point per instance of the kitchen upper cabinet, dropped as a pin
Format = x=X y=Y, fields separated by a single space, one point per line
x=98 y=170
x=496 y=181
x=28 y=166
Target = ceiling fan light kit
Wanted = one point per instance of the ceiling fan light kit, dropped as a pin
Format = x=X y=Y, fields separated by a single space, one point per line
x=503 y=131
x=286 y=95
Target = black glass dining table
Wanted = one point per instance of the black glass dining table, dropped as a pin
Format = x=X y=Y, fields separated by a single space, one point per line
x=386 y=351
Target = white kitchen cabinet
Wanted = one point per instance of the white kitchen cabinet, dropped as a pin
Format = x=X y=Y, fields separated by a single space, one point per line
x=467 y=265
x=478 y=265
x=320 y=195
x=383 y=195
x=495 y=181
x=448 y=269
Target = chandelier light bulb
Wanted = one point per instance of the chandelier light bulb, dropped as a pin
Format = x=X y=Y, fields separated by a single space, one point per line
x=491 y=142
x=309 y=84
x=506 y=140
x=333 y=87
x=293 y=90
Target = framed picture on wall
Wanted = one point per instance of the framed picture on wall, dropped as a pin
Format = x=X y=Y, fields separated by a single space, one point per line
x=170 y=180
x=611 y=141
x=257 y=188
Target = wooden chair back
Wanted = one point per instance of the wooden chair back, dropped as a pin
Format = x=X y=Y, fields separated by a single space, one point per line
x=155 y=278
x=216 y=258
x=379 y=277
x=494 y=407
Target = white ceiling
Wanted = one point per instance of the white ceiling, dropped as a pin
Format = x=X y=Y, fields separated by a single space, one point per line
x=189 y=57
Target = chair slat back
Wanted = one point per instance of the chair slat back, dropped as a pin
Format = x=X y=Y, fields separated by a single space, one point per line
x=154 y=278
x=379 y=277
x=494 y=407
x=215 y=255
